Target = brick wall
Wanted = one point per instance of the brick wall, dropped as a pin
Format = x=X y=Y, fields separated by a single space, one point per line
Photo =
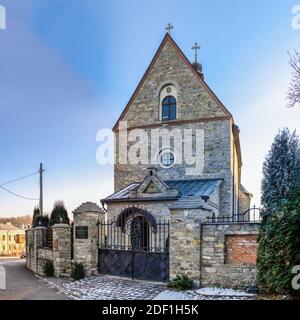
x=241 y=249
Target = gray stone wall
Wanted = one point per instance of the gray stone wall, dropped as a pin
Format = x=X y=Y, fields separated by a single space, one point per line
x=62 y=249
x=60 y=255
x=86 y=250
x=217 y=162
x=159 y=210
x=43 y=254
x=185 y=242
x=194 y=102
x=214 y=270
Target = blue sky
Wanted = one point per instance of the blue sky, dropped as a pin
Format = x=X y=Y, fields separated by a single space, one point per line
x=68 y=68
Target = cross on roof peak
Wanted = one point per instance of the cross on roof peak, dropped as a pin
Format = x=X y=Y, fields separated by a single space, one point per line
x=169 y=27
x=196 y=47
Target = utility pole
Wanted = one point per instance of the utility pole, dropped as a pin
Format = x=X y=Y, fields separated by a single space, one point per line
x=41 y=188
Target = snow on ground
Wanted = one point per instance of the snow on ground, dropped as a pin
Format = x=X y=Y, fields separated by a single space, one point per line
x=204 y=294
x=111 y=288
x=222 y=292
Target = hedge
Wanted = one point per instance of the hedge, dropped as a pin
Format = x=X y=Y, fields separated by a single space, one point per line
x=279 y=248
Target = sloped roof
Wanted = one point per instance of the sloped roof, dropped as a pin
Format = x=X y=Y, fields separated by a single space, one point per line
x=186 y=60
x=9 y=227
x=245 y=191
x=203 y=188
x=88 y=207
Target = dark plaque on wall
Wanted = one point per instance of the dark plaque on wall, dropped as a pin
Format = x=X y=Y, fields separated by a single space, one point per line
x=81 y=232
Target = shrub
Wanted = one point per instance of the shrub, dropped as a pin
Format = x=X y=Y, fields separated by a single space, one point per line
x=279 y=248
x=48 y=268
x=78 y=271
x=181 y=282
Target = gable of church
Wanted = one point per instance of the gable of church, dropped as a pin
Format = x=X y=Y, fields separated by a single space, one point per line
x=195 y=100
x=151 y=188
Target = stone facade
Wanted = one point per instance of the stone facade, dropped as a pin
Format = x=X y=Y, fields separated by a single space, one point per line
x=147 y=193
x=86 y=248
x=62 y=249
x=60 y=254
x=137 y=185
x=185 y=242
x=197 y=108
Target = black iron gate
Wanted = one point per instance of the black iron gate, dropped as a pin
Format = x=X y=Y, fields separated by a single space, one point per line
x=134 y=246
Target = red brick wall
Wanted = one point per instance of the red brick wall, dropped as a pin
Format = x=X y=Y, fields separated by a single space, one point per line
x=241 y=249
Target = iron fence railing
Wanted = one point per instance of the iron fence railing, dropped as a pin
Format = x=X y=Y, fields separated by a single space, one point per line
x=252 y=215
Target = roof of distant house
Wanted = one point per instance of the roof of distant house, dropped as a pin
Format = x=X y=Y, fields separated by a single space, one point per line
x=9 y=227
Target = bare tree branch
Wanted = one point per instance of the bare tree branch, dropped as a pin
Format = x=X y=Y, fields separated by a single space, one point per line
x=293 y=94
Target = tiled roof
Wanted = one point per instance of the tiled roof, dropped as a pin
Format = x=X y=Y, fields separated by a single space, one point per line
x=186 y=188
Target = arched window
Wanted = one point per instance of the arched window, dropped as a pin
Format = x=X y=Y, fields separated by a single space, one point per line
x=169 y=108
x=168 y=103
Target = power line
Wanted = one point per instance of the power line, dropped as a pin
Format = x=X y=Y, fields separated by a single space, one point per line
x=17 y=195
x=28 y=175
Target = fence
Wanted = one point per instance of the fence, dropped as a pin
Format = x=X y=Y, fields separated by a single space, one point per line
x=252 y=215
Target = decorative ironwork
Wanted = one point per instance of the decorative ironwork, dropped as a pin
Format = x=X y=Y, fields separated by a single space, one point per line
x=252 y=215
x=136 y=248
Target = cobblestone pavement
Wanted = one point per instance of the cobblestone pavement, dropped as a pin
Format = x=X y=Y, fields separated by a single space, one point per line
x=111 y=288
x=108 y=288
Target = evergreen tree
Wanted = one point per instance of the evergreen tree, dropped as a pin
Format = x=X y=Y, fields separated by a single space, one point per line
x=280 y=170
x=36 y=214
x=42 y=221
x=59 y=214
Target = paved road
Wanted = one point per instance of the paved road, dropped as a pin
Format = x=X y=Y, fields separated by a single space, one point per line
x=21 y=284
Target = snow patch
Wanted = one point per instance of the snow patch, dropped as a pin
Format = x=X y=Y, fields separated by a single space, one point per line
x=174 y=295
x=222 y=292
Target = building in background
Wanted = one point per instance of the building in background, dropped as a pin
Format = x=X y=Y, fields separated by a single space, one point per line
x=12 y=240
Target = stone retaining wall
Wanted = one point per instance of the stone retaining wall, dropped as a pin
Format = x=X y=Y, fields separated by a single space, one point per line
x=228 y=254
x=60 y=254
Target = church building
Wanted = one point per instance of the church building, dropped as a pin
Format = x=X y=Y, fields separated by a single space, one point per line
x=159 y=205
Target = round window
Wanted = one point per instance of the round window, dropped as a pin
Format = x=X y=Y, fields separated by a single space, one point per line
x=166 y=158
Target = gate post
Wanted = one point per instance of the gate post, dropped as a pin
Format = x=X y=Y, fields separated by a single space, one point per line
x=86 y=219
x=61 y=249
x=185 y=243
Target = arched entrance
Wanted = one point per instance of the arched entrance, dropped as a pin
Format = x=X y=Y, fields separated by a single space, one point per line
x=139 y=233
x=135 y=245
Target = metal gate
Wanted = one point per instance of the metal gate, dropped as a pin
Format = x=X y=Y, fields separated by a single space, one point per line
x=134 y=246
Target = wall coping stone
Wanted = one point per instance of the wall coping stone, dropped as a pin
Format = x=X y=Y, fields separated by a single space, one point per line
x=88 y=207
x=61 y=225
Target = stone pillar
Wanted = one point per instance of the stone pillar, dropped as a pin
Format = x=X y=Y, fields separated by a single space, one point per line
x=185 y=228
x=38 y=236
x=62 y=249
x=29 y=247
x=86 y=218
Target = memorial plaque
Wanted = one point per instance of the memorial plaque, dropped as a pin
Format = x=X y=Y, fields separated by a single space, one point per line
x=81 y=232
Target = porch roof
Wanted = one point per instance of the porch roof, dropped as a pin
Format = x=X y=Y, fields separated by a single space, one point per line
x=203 y=188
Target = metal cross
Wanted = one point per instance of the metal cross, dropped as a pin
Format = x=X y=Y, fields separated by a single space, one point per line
x=196 y=47
x=169 y=27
